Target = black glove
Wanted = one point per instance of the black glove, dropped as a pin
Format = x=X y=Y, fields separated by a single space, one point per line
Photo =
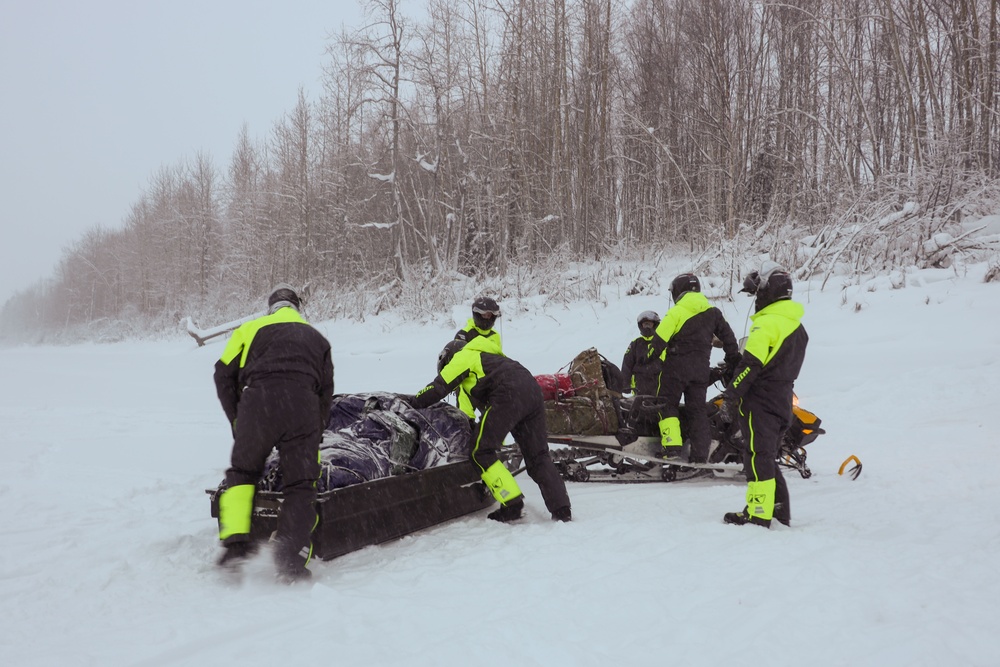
x=717 y=373
x=729 y=410
x=733 y=362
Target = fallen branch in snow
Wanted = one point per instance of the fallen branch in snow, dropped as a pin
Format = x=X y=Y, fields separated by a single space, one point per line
x=203 y=335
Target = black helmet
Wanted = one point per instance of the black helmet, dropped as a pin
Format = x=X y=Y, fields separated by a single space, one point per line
x=773 y=283
x=485 y=312
x=751 y=283
x=650 y=319
x=684 y=283
x=282 y=295
x=449 y=350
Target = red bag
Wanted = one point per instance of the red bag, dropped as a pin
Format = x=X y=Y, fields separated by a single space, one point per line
x=555 y=386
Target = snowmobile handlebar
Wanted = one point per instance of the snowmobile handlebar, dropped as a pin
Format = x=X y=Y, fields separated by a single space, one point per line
x=721 y=372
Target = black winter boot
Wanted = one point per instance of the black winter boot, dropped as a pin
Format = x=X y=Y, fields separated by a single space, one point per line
x=782 y=515
x=293 y=576
x=679 y=453
x=236 y=553
x=510 y=511
x=563 y=514
x=742 y=517
x=289 y=564
x=782 y=503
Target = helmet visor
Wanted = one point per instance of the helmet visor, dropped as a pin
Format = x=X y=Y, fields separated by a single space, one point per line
x=488 y=313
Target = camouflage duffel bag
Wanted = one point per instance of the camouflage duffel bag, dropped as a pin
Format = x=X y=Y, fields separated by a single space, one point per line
x=579 y=415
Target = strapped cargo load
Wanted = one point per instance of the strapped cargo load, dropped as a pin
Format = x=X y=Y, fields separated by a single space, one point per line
x=587 y=407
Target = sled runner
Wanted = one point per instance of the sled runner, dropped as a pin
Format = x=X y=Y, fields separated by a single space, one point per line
x=633 y=453
x=387 y=470
x=640 y=460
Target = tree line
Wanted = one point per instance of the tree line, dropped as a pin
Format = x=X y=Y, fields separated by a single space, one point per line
x=495 y=134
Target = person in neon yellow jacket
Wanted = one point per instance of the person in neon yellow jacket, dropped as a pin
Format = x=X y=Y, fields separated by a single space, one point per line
x=683 y=343
x=758 y=401
x=485 y=313
x=510 y=401
x=640 y=370
x=275 y=383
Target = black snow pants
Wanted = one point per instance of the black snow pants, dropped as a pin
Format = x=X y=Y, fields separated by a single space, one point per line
x=287 y=416
x=693 y=386
x=516 y=406
x=762 y=429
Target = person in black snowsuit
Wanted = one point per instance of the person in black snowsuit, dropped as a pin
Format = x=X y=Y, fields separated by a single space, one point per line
x=275 y=383
x=759 y=398
x=640 y=369
x=510 y=401
x=683 y=341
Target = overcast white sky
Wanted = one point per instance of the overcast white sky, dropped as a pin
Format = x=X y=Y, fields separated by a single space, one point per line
x=97 y=95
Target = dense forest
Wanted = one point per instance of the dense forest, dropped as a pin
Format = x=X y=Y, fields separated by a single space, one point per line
x=499 y=136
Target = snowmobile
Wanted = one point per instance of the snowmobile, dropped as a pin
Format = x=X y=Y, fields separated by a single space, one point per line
x=633 y=453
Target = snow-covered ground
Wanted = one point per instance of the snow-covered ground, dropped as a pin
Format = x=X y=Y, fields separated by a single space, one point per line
x=108 y=546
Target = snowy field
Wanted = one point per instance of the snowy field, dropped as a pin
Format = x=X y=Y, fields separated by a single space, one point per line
x=108 y=547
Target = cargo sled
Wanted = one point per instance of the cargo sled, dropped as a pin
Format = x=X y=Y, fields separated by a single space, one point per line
x=387 y=471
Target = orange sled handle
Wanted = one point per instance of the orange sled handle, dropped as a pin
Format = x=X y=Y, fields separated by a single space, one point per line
x=854 y=471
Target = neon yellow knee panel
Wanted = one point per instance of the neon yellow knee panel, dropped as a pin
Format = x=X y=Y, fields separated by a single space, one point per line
x=760 y=499
x=670 y=432
x=501 y=483
x=235 y=508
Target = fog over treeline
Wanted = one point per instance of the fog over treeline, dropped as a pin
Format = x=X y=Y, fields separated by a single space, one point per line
x=494 y=142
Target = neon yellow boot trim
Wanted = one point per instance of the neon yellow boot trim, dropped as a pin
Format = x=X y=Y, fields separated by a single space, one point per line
x=235 y=508
x=501 y=483
x=760 y=499
x=670 y=432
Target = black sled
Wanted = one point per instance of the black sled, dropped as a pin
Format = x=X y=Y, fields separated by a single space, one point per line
x=354 y=517
x=387 y=471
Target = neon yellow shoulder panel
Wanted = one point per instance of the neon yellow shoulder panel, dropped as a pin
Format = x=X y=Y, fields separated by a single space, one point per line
x=771 y=326
x=691 y=304
x=239 y=342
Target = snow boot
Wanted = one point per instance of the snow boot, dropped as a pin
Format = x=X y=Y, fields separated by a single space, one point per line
x=742 y=517
x=564 y=514
x=679 y=453
x=782 y=503
x=782 y=515
x=291 y=576
x=237 y=553
x=699 y=457
x=508 y=512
